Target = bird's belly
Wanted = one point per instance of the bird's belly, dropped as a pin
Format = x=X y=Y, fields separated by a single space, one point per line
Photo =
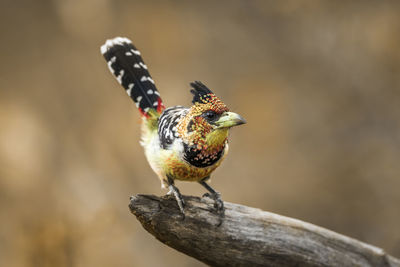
x=181 y=170
x=152 y=150
x=170 y=163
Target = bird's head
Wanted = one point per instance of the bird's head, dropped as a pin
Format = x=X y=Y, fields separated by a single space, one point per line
x=209 y=119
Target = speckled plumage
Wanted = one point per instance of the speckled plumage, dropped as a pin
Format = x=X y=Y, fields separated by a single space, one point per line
x=180 y=143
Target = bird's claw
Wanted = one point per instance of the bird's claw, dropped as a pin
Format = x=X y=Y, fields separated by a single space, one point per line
x=218 y=203
x=207 y=195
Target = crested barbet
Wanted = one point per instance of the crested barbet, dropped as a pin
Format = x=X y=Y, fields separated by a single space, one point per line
x=180 y=143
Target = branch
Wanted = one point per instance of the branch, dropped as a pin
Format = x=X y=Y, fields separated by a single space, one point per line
x=249 y=237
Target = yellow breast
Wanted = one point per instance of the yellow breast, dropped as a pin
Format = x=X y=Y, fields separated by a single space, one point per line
x=175 y=167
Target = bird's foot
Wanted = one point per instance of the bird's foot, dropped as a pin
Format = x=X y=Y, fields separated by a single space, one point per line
x=218 y=203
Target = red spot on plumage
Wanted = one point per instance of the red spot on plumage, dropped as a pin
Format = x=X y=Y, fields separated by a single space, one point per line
x=160 y=109
x=143 y=113
x=160 y=105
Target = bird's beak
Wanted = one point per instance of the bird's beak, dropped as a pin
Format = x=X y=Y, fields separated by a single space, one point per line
x=229 y=119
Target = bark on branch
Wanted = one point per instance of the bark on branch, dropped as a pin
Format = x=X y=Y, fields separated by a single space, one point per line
x=247 y=236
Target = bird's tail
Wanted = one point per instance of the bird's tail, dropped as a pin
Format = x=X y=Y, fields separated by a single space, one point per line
x=126 y=64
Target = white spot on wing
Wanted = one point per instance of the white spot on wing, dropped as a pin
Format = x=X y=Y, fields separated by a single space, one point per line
x=136 y=52
x=119 y=77
x=112 y=42
x=109 y=63
x=146 y=110
x=149 y=92
x=143 y=65
x=128 y=54
x=150 y=79
x=109 y=66
x=136 y=66
x=155 y=104
x=129 y=90
x=144 y=78
x=156 y=93
x=103 y=49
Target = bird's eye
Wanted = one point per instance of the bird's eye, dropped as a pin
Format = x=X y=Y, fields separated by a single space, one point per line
x=210 y=115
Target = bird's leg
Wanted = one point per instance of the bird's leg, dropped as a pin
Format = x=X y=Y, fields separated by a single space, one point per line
x=219 y=204
x=174 y=190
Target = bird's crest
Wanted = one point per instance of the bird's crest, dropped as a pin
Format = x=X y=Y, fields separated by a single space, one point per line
x=201 y=93
x=203 y=96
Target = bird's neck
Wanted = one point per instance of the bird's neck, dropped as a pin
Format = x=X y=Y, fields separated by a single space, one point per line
x=216 y=139
x=210 y=141
x=207 y=150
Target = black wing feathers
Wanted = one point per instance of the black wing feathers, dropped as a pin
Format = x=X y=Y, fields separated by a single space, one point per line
x=126 y=64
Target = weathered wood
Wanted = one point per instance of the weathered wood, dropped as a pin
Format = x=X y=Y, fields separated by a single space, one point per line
x=247 y=236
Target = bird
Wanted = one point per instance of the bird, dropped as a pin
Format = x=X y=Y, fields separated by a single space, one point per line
x=180 y=143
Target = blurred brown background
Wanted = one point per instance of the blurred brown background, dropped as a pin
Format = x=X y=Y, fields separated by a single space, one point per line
x=318 y=82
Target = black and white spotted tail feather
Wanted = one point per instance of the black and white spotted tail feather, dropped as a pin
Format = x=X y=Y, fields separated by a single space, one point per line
x=126 y=64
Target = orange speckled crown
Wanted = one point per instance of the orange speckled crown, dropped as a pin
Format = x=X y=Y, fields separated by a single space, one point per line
x=205 y=99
